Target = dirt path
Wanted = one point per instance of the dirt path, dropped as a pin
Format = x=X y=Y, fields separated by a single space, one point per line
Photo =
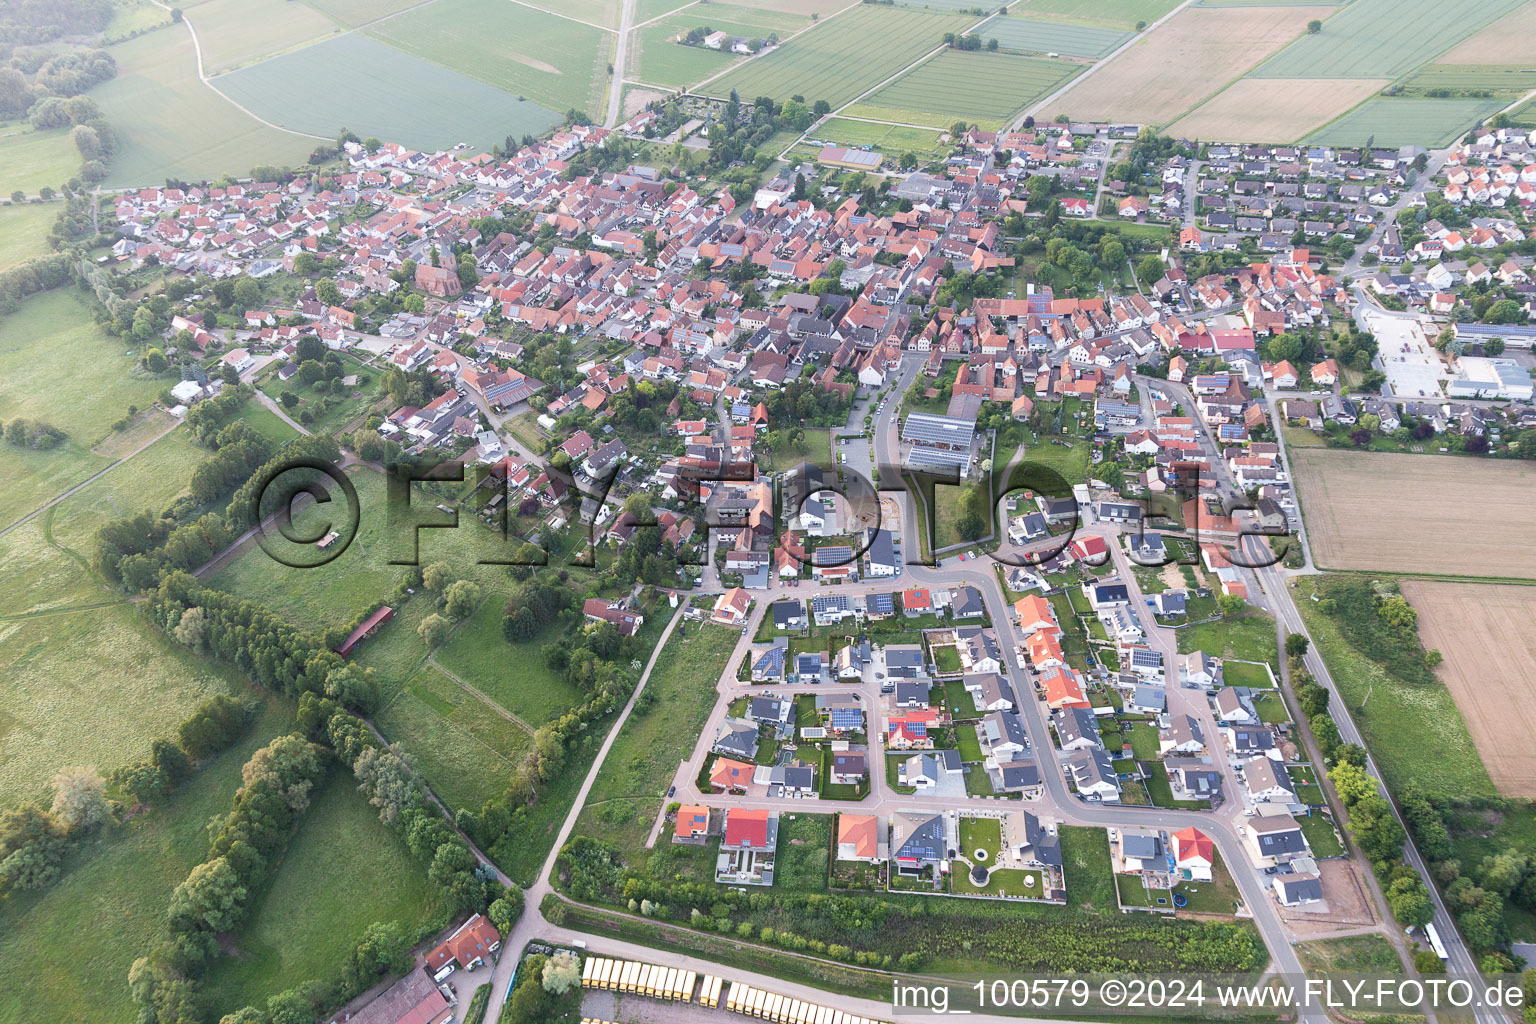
x=503 y=712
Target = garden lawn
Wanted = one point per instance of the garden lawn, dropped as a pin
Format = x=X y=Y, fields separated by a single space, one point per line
x=24 y=230
x=343 y=871
x=1321 y=835
x=31 y=159
x=970 y=746
x=1250 y=637
x=1242 y=673
x=805 y=844
x=1218 y=896
x=76 y=940
x=630 y=788
x=58 y=366
x=981 y=834
x=267 y=423
x=1413 y=730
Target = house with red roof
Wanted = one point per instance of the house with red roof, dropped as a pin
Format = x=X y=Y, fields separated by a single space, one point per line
x=470 y=945
x=747 y=845
x=1193 y=854
x=692 y=824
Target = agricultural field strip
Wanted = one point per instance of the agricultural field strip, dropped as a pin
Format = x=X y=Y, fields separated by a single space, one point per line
x=1484 y=635
x=1392 y=121
x=1356 y=517
x=1382 y=38
x=989 y=99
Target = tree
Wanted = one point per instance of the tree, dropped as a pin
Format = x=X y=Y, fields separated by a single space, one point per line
x=1351 y=782
x=155 y=361
x=247 y=293
x=31 y=847
x=520 y=626
x=211 y=897
x=289 y=765
x=1297 y=645
x=327 y=292
x=1230 y=604
x=460 y=598
x=389 y=778
x=1379 y=834
x=505 y=911
x=192 y=630
x=561 y=973
x=1314 y=26
x=79 y=800
x=799 y=191
x=1410 y=902
x=436 y=577
x=434 y=630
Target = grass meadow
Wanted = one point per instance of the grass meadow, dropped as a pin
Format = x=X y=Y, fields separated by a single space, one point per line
x=31 y=159
x=92 y=687
x=37 y=577
x=514 y=675
x=552 y=60
x=239 y=32
x=153 y=479
x=170 y=125
x=1382 y=38
x=343 y=871
x=1431 y=123
x=360 y=83
x=57 y=365
x=75 y=941
x=628 y=792
x=888 y=138
x=1509 y=79
x=980 y=88
x=1031 y=35
x=1249 y=638
x=1414 y=731
x=816 y=64
x=24 y=231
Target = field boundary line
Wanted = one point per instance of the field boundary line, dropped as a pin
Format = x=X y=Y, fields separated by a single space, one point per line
x=1094 y=67
x=668 y=14
x=477 y=692
x=99 y=473
x=406 y=692
x=695 y=89
x=925 y=58
x=197 y=50
x=877 y=120
x=345 y=31
x=567 y=17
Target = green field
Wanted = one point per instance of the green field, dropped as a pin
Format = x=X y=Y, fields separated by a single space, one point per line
x=359 y=83
x=92 y=687
x=1382 y=38
x=888 y=138
x=1413 y=730
x=1118 y=12
x=552 y=60
x=169 y=124
x=239 y=32
x=58 y=366
x=343 y=871
x=37 y=577
x=353 y=13
x=346 y=408
x=1401 y=122
x=982 y=88
x=461 y=768
x=1509 y=79
x=1030 y=35
x=267 y=423
x=627 y=794
x=24 y=231
x=645 y=10
x=816 y=64
x=30 y=159
x=75 y=941
x=598 y=12
x=133 y=18
x=1524 y=115
x=657 y=60
x=331 y=595
x=152 y=479
x=479 y=654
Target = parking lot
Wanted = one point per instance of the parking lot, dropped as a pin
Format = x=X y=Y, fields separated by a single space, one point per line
x=1408 y=357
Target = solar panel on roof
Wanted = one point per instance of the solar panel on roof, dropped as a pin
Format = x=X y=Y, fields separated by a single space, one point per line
x=937 y=458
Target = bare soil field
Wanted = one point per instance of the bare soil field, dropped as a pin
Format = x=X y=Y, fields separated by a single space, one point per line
x=1510 y=40
x=1269 y=110
x=1184 y=61
x=1440 y=514
x=1485 y=635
